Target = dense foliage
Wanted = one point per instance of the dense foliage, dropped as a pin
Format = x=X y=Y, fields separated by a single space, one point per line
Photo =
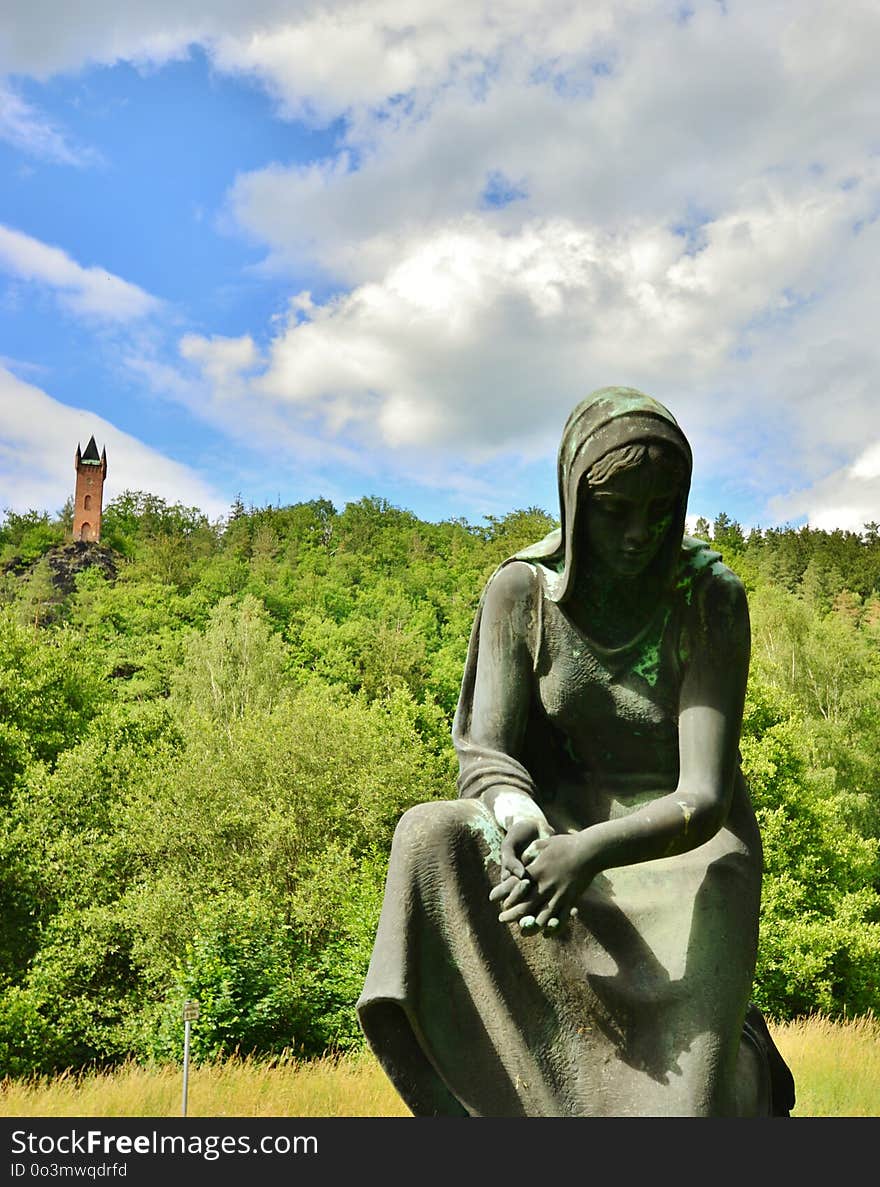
x=205 y=746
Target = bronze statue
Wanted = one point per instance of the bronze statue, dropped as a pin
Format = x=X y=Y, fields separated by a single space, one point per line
x=576 y=934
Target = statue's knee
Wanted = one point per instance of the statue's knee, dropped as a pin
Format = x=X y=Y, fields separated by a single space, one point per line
x=443 y=825
x=418 y=826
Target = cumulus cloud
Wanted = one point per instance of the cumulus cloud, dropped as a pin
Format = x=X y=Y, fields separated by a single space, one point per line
x=88 y=292
x=641 y=118
x=321 y=55
x=352 y=56
x=38 y=438
x=693 y=211
x=843 y=499
x=472 y=334
x=867 y=465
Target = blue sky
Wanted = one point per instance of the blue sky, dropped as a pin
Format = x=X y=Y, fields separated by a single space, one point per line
x=338 y=249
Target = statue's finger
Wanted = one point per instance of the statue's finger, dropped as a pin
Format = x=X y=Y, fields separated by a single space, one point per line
x=511 y=863
x=517 y=912
x=503 y=889
x=532 y=851
x=524 y=888
x=520 y=896
x=516 y=897
x=550 y=913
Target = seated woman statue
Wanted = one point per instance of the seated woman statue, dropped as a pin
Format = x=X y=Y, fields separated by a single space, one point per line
x=576 y=934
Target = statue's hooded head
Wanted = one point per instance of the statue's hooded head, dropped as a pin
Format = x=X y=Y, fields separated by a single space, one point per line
x=615 y=426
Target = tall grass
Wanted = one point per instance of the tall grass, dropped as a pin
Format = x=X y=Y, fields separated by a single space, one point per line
x=836 y=1065
x=836 y=1068
x=344 y=1086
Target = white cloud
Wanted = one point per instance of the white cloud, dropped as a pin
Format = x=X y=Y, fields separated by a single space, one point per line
x=329 y=54
x=29 y=131
x=215 y=384
x=867 y=464
x=474 y=334
x=686 y=117
x=41 y=38
x=472 y=339
x=698 y=220
x=88 y=292
x=840 y=500
x=354 y=56
x=224 y=360
x=38 y=440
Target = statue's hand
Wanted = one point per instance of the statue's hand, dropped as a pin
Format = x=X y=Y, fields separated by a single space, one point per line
x=513 y=882
x=518 y=841
x=557 y=870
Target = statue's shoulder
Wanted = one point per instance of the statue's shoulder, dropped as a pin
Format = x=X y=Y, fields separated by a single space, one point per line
x=513 y=586
x=712 y=590
x=701 y=564
x=510 y=607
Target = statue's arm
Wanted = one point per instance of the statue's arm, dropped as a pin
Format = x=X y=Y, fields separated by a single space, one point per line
x=711 y=703
x=710 y=718
x=712 y=699
x=502 y=690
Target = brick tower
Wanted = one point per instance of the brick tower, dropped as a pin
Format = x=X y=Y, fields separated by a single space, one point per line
x=91 y=471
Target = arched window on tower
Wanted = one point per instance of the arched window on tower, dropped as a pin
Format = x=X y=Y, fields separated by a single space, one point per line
x=85 y=532
x=87 y=503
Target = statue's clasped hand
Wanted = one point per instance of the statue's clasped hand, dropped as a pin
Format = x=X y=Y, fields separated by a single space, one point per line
x=541 y=877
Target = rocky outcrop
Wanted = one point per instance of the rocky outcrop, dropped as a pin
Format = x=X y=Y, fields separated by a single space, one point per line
x=66 y=560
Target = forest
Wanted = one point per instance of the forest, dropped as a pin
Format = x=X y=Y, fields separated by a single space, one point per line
x=208 y=731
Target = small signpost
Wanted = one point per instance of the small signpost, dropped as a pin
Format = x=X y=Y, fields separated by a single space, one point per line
x=190 y=1014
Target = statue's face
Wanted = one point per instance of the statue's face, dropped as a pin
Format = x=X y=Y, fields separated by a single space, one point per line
x=626 y=518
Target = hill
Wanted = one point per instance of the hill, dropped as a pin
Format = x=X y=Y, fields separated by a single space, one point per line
x=209 y=730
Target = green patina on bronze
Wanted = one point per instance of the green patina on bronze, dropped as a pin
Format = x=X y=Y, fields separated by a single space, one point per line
x=647 y=665
x=486 y=828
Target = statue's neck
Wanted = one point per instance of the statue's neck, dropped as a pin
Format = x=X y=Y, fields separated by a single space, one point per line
x=611 y=609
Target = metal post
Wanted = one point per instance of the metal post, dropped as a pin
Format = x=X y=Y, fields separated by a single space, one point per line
x=186 y=1030
x=190 y=1014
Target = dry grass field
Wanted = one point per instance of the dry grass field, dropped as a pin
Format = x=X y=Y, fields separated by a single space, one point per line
x=348 y=1086
x=836 y=1068
x=836 y=1065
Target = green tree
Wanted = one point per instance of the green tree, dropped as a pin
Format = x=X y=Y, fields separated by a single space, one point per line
x=25 y=537
x=49 y=690
x=235 y=665
x=820 y=915
x=38 y=602
x=727 y=535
